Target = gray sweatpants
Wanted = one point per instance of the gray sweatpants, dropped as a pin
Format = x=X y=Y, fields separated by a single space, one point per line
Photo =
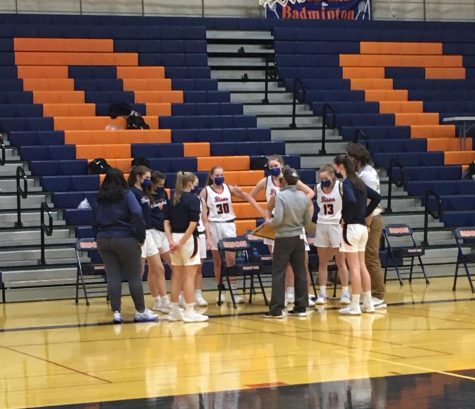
x=122 y=258
x=288 y=250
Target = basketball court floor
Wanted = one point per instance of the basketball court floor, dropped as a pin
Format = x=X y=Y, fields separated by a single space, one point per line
x=419 y=354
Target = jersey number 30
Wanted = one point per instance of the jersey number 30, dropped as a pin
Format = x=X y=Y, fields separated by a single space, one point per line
x=328 y=209
x=222 y=208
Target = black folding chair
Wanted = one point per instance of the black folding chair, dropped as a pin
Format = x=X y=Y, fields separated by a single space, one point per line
x=244 y=266
x=93 y=270
x=401 y=244
x=464 y=237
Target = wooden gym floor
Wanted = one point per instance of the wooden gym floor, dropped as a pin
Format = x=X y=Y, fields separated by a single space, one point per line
x=419 y=354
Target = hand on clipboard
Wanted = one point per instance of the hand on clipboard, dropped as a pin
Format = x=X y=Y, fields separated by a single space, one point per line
x=265 y=231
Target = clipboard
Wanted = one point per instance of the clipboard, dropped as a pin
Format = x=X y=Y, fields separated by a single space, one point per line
x=265 y=231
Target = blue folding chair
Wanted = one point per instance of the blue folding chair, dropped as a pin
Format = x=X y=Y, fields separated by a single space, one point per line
x=94 y=270
x=243 y=267
x=404 y=247
x=464 y=237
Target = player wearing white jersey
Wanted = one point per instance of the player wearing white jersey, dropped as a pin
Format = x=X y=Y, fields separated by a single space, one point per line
x=271 y=184
x=329 y=232
x=219 y=215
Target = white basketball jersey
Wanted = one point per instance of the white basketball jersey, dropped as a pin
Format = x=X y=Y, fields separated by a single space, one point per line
x=201 y=226
x=271 y=188
x=220 y=205
x=330 y=204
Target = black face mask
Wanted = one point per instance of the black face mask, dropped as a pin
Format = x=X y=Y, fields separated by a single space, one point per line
x=339 y=175
x=326 y=183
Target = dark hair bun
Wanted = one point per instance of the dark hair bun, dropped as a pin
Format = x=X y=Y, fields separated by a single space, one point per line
x=290 y=175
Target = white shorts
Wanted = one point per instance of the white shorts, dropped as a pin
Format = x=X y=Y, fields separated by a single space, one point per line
x=202 y=245
x=328 y=236
x=220 y=231
x=357 y=236
x=164 y=245
x=185 y=257
x=152 y=243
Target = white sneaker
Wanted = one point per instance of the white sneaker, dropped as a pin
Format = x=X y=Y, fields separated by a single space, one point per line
x=350 y=311
x=345 y=299
x=145 y=316
x=290 y=295
x=311 y=303
x=239 y=299
x=379 y=303
x=117 y=318
x=223 y=297
x=164 y=306
x=200 y=301
x=175 y=315
x=368 y=308
x=181 y=300
x=320 y=300
x=193 y=316
x=156 y=305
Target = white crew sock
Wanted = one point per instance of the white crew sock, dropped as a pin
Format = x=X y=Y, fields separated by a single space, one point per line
x=174 y=307
x=355 y=301
x=290 y=290
x=189 y=308
x=345 y=291
x=323 y=291
x=367 y=298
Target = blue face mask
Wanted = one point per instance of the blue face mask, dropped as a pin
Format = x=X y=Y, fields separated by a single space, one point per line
x=196 y=190
x=326 y=183
x=147 y=184
x=160 y=189
x=219 y=180
x=339 y=175
x=275 y=172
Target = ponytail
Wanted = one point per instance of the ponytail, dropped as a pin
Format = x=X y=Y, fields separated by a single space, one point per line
x=182 y=178
x=135 y=172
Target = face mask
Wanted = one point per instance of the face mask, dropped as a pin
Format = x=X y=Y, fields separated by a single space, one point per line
x=160 y=189
x=196 y=190
x=219 y=180
x=147 y=184
x=326 y=183
x=339 y=175
x=275 y=172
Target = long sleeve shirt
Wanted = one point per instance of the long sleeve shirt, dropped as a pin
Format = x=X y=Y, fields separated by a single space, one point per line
x=291 y=213
x=122 y=219
x=355 y=207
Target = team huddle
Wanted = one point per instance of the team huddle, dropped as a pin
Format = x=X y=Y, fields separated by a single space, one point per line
x=136 y=223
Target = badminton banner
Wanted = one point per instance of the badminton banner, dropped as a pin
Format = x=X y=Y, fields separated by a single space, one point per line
x=317 y=10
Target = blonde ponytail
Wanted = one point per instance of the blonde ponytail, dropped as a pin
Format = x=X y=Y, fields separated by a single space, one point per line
x=182 y=179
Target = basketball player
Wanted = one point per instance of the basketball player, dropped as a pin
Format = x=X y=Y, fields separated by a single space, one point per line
x=356 y=213
x=271 y=184
x=140 y=185
x=180 y=224
x=328 y=235
x=219 y=215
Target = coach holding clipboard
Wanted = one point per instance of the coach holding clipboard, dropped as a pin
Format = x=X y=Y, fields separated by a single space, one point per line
x=293 y=211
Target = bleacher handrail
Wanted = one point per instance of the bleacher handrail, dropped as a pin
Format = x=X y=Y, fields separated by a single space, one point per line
x=297 y=85
x=428 y=211
x=270 y=74
x=327 y=108
x=392 y=164
x=3 y=154
x=21 y=192
x=358 y=133
x=46 y=230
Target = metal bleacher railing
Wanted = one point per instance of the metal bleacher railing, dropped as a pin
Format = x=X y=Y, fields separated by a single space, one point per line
x=46 y=229
x=270 y=75
x=393 y=180
x=21 y=192
x=3 y=153
x=327 y=112
x=297 y=97
x=429 y=211
x=360 y=135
